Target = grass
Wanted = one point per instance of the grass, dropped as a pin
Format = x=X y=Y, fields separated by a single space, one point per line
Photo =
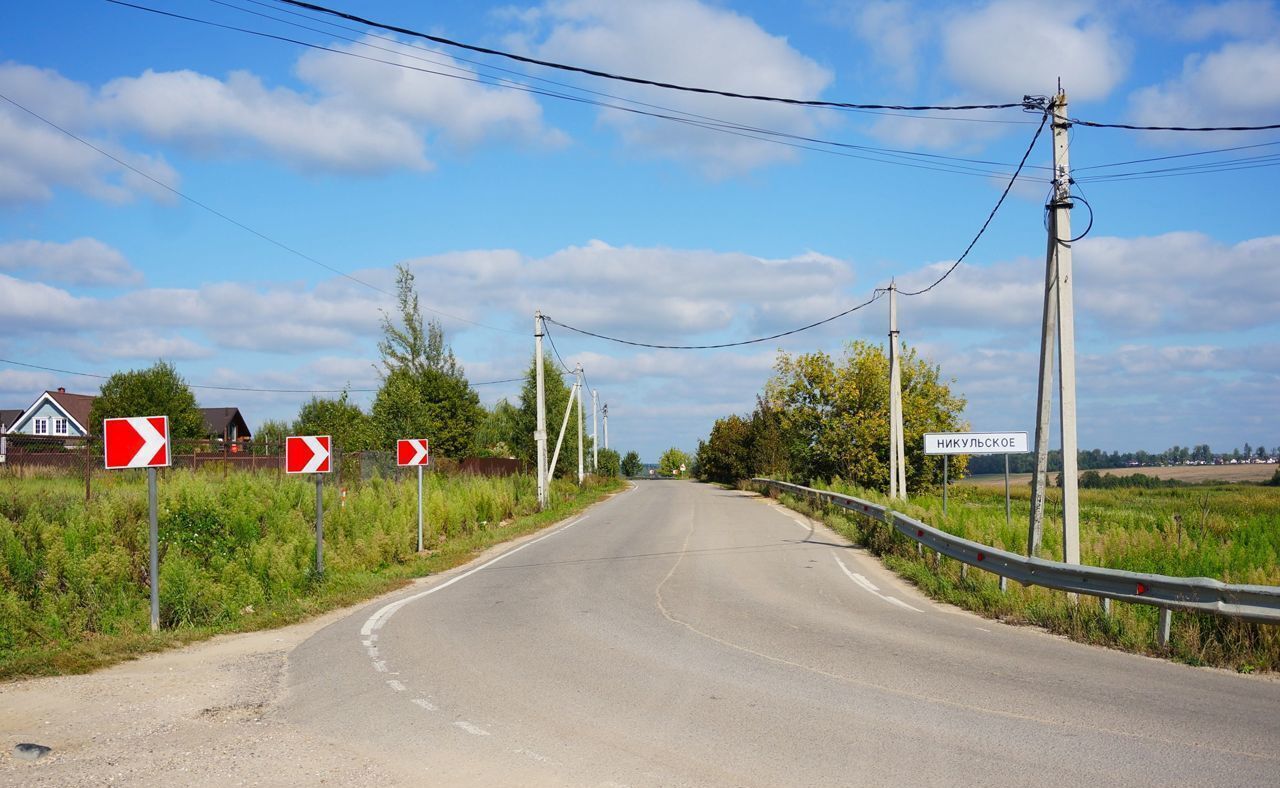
x=237 y=554
x=1230 y=532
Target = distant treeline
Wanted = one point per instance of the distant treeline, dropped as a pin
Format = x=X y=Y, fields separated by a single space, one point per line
x=1097 y=458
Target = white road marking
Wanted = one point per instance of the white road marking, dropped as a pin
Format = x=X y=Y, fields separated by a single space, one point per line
x=384 y=613
x=870 y=587
x=395 y=685
x=474 y=730
x=380 y=665
x=424 y=703
x=535 y=756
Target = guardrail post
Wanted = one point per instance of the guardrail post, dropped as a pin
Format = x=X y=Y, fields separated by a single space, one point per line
x=1106 y=606
x=1166 y=620
x=1004 y=584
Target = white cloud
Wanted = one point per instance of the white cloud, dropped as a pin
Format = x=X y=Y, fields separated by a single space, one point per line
x=687 y=42
x=1236 y=18
x=1012 y=47
x=894 y=32
x=84 y=261
x=1237 y=85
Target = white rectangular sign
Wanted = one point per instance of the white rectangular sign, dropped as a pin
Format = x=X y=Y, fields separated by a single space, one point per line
x=975 y=443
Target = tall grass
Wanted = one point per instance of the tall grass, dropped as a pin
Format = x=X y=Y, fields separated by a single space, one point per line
x=236 y=553
x=1230 y=532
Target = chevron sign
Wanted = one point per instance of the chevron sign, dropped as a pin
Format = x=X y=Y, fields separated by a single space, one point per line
x=308 y=454
x=140 y=442
x=412 y=451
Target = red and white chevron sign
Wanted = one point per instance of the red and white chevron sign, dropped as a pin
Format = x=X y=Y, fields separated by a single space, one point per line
x=412 y=451
x=139 y=442
x=308 y=454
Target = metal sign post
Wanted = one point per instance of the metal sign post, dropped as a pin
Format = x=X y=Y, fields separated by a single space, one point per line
x=312 y=454
x=948 y=443
x=141 y=442
x=319 y=523
x=414 y=452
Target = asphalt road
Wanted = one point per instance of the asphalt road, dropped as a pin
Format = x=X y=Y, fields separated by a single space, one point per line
x=680 y=634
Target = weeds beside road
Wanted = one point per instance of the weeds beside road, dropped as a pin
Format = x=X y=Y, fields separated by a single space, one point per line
x=237 y=554
x=1227 y=532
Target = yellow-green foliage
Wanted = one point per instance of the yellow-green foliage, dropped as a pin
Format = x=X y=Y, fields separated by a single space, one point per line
x=236 y=551
x=1228 y=532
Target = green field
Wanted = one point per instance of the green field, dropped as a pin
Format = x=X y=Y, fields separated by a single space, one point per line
x=1230 y=532
x=237 y=553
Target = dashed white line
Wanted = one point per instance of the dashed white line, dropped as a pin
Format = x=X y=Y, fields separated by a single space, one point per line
x=380 y=665
x=385 y=612
x=395 y=685
x=870 y=587
x=474 y=730
x=426 y=704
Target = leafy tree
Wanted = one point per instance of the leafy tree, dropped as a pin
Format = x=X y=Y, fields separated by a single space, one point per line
x=1261 y=452
x=155 y=391
x=269 y=438
x=496 y=433
x=430 y=404
x=726 y=454
x=631 y=465
x=835 y=416
x=610 y=464
x=424 y=392
x=769 y=454
x=339 y=418
x=671 y=461
x=557 y=399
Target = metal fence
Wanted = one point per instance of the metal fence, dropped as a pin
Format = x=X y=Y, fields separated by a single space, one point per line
x=1198 y=594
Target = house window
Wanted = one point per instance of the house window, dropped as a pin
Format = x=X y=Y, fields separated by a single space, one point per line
x=59 y=426
x=42 y=427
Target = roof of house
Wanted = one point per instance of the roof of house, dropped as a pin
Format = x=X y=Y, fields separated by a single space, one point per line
x=8 y=417
x=218 y=420
x=77 y=406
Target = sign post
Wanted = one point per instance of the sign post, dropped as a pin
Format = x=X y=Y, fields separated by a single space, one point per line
x=312 y=454
x=141 y=442
x=948 y=443
x=414 y=452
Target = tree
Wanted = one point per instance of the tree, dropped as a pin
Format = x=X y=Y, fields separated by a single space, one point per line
x=557 y=399
x=726 y=454
x=835 y=416
x=610 y=464
x=672 y=461
x=340 y=419
x=155 y=391
x=496 y=433
x=269 y=438
x=1261 y=452
x=424 y=392
x=631 y=465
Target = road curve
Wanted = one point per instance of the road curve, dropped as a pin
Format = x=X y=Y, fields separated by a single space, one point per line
x=680 y=634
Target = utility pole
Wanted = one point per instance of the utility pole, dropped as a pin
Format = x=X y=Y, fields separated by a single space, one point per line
x=606 y=425
x=595 y=443
x=1059 y=309
x=581 y=475
x=540 y=434
x=897 y=458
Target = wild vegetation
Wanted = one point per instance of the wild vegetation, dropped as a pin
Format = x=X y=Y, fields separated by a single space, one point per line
x=1227 y=532
x=237 y=553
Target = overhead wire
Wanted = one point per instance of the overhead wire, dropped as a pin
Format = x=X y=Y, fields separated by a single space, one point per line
x=1134 y=127
x=236 y=222
x=897 y=157
x=1175 y=156
x=252 y=389
x=636 y=80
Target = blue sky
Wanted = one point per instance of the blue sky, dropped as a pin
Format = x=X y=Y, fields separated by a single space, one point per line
x=504 y=202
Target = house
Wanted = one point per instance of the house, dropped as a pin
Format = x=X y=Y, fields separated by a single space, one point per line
x=8 y=417
x=225 y=425
x=54 y=414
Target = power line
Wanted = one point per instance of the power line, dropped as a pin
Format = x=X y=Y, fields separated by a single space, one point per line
x=990 y=216
x=1224 y=165
x=903 y=158
x=1175 y=156
x=635 y=80
x=252 y=389
x=236 y=222
x=1131 y=127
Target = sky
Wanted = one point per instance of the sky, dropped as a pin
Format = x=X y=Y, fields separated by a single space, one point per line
x=236 y=204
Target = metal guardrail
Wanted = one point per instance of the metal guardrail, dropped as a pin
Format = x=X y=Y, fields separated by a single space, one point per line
x=1199 y=594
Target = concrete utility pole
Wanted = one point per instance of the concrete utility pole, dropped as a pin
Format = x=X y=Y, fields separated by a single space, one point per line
x=606 y=425
x=564 y=427
x=1059 y=309
x=540 y=433
x=581 y=475
x=897 y=453
x=595 y=442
